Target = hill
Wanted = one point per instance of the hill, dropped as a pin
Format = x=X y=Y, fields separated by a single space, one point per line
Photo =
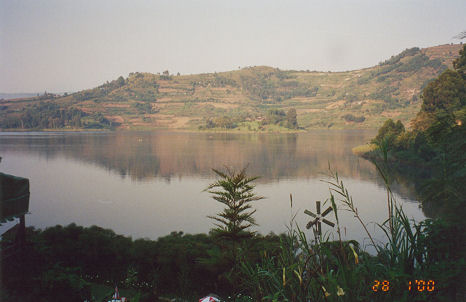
x=253 y=98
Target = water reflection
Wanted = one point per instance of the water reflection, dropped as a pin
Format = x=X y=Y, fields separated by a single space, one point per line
x=147 y=184
x=145 y=155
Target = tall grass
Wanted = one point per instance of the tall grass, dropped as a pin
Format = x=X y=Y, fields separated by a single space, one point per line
x=318 y=269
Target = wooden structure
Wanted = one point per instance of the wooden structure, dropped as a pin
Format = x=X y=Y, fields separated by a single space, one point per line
x=14 y=203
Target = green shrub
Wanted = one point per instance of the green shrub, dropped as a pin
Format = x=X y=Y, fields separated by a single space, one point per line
x=351 y=118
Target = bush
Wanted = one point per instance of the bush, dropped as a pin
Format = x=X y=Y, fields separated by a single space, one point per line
x=389 y=130
x=351 y=118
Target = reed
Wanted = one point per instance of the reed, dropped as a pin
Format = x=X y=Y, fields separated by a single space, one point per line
x=319 y=269
x=364 y=149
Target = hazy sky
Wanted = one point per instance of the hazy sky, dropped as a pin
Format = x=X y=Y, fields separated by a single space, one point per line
x=71 y=45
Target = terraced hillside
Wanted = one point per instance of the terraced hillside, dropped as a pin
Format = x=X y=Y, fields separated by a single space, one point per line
x=253 y=98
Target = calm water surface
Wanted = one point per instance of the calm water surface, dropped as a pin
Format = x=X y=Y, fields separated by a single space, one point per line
x=148 y=184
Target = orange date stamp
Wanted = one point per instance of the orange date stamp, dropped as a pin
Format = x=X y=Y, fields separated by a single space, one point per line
x=412 y=286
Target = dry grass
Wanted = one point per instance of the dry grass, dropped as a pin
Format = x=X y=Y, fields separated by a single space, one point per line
x=302 y=111
x=222 y=105
x=363 y=149
x=391 y=114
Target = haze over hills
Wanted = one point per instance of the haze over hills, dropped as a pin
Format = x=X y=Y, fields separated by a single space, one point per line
x=255 y=98
x=9 y=96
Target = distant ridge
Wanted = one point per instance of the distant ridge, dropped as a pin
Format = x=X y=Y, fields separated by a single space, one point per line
x=19 y=95
x=250 y=99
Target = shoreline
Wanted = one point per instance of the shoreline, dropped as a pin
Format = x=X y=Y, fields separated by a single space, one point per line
x=186 y=130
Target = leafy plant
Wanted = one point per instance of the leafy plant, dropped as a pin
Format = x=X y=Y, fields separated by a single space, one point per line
x=236 y=193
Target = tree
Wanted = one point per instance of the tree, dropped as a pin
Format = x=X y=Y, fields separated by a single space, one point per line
x=275 y=116
x=386 y=138
x=460 y=62
x=447 y=92
x=444 y=100
x=165 y=75
x=390 y=130
x=235 y=191
x=120 y=81
x=291 y=118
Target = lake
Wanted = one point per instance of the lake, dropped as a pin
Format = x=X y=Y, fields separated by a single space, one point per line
x=148 y=184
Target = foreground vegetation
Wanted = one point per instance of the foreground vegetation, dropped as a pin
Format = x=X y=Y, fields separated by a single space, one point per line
x=243 y=99
x=73 y=263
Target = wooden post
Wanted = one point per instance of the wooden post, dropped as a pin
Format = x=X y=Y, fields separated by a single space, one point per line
x=22 y=231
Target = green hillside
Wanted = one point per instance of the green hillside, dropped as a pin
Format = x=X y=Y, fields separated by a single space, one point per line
x=253 y=98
